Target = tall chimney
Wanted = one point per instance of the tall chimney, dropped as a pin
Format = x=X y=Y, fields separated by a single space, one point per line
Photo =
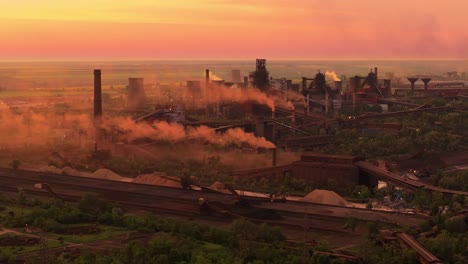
x=412 y=81
x=426 y=82
x=376 y=75
x=246 y=81
x=97 y=94
x=207 y=76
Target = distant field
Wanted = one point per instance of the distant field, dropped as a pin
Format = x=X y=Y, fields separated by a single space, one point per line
x=65 y=92
x=57 y=75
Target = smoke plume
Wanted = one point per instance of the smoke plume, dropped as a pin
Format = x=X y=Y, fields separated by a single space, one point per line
x=332 y=75
x=176 y=132
x=221 y=93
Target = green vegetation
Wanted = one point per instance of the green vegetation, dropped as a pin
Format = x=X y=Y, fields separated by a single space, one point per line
x=9 y=252
x=391 y=253
x=171 y=241
x=420 y=134
x=451 y=180
x=451 y=248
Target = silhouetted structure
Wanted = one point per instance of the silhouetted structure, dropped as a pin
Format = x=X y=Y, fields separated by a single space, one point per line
x=207 y=76
x=317 y=84
x=372 y=82
x=97 y=94
x=426 y=82
x=261 y=77
x=412 y=81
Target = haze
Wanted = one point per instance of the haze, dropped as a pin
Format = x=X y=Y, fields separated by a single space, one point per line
x=241 y=29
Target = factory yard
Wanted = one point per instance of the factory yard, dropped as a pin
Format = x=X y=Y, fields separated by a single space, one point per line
x=134 y=159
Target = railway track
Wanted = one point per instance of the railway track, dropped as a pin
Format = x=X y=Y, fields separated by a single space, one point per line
x=167 y=200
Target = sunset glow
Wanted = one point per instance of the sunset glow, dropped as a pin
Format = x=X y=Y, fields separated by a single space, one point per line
x=227 y=29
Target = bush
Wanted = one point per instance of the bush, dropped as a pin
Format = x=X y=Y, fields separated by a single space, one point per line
x=456 y=224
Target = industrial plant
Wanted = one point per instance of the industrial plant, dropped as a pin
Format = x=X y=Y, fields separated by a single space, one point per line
x=323 y=156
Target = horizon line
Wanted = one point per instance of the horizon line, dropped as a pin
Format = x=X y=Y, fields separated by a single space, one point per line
x=229 y=59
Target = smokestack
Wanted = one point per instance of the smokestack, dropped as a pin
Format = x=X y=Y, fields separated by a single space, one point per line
x=412 y=81
x=273 y=159
x=426 y=82
x=207 y=76
x=97 y=94
x=376 y=75
x=246 y=81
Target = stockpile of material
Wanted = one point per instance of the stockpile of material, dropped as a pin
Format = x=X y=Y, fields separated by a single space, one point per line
x=324 y=197
x=219 y=187
x=50 y=169
x=106 y=174
x=155 y=179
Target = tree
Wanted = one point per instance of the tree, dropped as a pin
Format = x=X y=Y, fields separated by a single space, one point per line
x=456 y=224
x=244 y=229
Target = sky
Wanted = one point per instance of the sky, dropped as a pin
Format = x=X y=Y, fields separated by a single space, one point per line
x=232 y=29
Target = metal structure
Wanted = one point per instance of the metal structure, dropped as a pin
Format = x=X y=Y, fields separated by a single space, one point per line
x=371 y=81
x=317 y=84
x=261 y=77
x=401 y=180
x=412 y=81
x=426 y=82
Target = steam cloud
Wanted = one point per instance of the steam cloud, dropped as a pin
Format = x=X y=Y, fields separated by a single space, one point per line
x=332 y=75
x=220 y=93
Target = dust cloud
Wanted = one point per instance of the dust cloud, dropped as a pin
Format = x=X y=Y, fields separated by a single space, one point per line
x=35 y=129
x=130 y=131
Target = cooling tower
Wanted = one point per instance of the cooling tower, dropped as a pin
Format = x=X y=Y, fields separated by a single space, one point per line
x=136 y=92
x=236 y=76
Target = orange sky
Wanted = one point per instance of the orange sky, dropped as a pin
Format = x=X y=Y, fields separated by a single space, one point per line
x=233 y=29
